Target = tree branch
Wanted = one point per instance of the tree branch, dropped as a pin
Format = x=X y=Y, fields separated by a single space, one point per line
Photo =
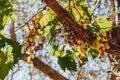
x=12 y=31
x=118 y=13
x=44 y=68
x=114 y=42
x=112 y=16
x=66 y=19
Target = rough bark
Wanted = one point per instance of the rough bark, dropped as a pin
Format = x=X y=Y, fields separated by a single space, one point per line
x=44 y=68
x=114 y=42
x=12 y=31
x=66 y=19
x=119 y=13
x=114 y=38
x=112 y=17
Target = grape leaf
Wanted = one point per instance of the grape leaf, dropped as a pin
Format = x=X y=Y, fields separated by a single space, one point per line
x=49 y=29
x=75 y=14
x=46 y=18
x=57 y=50
x=104 y=23
x=6 y=10
x=66 y=62
x=9 y=57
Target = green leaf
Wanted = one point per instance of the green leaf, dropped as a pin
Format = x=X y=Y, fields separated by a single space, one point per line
x=6 y=10
x=57 y=50
x=66 y=62
x=4 y=67
x=86 y=12
x=44 y=20
x=40 y=15
x=75 y=14
x=10 y=56
x=14 y=17
x=92 y=29
x=49 y=29
x=104 y=23
x=72 y=54
x=93 y=52
x=47 y=17
x=83 y=8
x=46 y=30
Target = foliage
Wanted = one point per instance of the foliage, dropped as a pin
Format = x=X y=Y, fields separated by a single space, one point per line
x=67 y=62
x=80 y=12
x=57 y=50
x=6 y=12
x=9 y=56
x=45 y=26
x=104 y=23
x=10 y=50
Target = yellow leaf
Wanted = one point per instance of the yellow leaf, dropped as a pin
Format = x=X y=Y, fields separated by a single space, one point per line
x=44 y=20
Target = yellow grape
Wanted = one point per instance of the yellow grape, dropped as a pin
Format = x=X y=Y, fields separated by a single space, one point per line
x=28 y=59
x=99 y=38
x=107 y=46
x=34 y=30
x=31 y=26
x=84 y=27
x=31 y=64
x=102 y=45
x=100 y=51
x=36 y=36
x=103 y=34
x=65 y=41
x=26 y=30
x=30 y=39
x=32 y=48
x=103 y=48
x=79 y=41
x=83 y=53
x=96 y=44
x=65 y=36
x=32 y=56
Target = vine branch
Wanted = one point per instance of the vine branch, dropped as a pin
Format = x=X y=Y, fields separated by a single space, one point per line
x=26 y=23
